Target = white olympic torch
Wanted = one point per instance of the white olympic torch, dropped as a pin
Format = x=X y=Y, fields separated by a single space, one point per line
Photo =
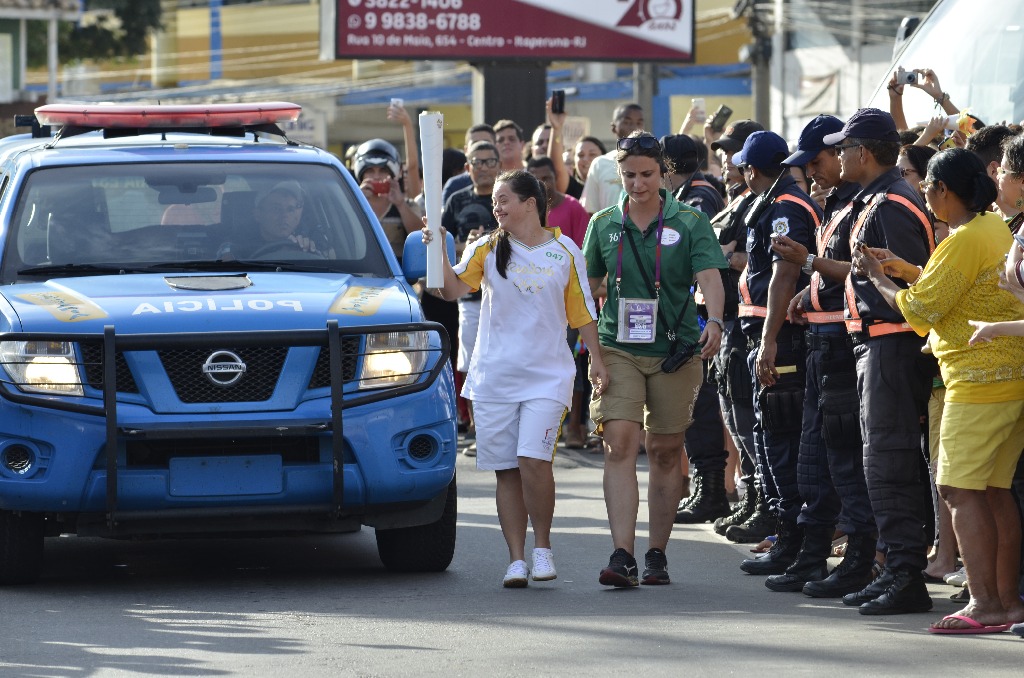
x=432 y=145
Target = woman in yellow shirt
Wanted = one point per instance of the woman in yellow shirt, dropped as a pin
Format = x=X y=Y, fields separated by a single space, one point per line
x=982 y=431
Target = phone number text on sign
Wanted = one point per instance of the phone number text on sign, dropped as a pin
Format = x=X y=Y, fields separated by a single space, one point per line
x=400 y=21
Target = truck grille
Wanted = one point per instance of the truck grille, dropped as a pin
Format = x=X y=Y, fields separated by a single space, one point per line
x=349 y=357
x=263 y=365
x=92 y=360
x=184 y=368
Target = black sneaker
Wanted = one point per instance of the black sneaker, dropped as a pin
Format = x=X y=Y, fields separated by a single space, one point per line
x=655 y=568
x=621 y=570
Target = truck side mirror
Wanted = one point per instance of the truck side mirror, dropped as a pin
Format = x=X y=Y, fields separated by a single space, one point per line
x=414 y=255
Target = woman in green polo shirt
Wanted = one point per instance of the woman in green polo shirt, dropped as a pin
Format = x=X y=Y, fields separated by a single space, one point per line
x=652 y=249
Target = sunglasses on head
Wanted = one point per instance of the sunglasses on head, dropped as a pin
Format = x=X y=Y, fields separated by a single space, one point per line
x=644 y=141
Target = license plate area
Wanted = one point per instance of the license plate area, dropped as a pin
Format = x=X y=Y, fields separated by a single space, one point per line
x=220 y=476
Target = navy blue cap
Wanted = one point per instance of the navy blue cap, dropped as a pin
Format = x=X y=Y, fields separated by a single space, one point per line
x=866 y=123
x=735 y=134
x=681 y=149
x=762 y=149
x=812 y=139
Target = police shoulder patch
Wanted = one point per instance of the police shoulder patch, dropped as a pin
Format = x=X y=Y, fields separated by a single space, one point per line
x=780 y=226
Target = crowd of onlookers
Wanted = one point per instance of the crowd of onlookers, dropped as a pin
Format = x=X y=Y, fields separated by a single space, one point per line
x=847 y=314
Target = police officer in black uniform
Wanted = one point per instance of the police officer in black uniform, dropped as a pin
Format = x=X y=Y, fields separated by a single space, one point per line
x=750 y=519
x=830 y=469
x=776 y=360
x=705 y=439
x=893 y=376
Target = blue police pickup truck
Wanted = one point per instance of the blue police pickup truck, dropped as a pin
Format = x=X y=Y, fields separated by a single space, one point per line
x=204 y=330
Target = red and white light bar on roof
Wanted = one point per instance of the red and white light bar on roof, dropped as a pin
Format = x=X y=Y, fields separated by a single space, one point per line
x=106 y=116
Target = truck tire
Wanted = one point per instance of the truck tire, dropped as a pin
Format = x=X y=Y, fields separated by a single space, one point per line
x=425 y=548
x=21 y=547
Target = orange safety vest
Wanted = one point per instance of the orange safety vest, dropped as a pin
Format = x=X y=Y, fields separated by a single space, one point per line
x=856 y=323
x=820 y=315
x=747 y=308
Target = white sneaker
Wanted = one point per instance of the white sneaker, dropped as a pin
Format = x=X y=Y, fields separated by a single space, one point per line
x=543 y=565
x=470 y=450
x=517 y=576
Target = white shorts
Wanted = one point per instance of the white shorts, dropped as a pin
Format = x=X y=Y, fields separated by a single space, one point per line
x=507 y=431
x=469 y=324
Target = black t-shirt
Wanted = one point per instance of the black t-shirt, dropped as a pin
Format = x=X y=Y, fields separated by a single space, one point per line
x=891 y=224
x=575 y=188
x=465 y=211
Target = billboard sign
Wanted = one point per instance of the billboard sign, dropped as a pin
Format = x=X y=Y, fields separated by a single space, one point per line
x=486 y=30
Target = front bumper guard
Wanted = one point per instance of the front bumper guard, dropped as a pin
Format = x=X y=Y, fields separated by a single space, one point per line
x=330 y=337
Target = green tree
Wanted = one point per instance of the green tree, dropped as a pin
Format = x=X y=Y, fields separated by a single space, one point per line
x=125 y=36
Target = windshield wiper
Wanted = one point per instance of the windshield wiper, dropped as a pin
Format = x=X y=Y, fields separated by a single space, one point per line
x=78 y=269
x=236 y=265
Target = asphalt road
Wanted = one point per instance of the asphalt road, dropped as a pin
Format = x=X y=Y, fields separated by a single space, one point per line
x=324 y=606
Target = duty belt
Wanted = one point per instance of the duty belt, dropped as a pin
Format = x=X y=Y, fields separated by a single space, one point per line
x=878 y=330
x=828 y=342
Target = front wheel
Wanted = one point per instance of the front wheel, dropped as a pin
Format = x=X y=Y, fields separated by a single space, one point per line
x=424 y=548
x=21 y=547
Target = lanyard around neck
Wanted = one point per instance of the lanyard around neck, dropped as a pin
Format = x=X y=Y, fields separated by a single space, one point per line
x=657 y=249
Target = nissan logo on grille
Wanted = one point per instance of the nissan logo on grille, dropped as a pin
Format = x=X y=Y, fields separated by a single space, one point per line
x=224 y=368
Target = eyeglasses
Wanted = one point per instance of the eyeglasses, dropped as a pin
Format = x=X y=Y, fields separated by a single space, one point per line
x=282 y=209
x=484 y=162
x=843 y=147
x=644 y=141
x=904 y=171
x=1002 y=170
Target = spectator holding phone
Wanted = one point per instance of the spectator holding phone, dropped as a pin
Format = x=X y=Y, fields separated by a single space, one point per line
x=982 y=430
x=583 y=154
x=377 y=170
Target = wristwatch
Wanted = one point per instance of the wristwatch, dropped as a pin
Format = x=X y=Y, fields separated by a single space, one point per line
x=808 y=266
x=717 y=321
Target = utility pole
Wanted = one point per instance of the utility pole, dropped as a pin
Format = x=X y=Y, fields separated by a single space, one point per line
x=758 y=53
x=645 y=88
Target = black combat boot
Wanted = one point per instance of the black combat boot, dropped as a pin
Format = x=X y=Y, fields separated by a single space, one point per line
x=811 y=563
x=686 y=503
x=906 y=594
x=754 y=529
x=710 y=503
x=782 y=553
x=876 y=588
x=741 y=513
x=852 y=574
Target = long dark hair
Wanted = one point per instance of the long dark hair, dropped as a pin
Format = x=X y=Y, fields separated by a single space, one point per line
x=525 y=186
x=965 y=175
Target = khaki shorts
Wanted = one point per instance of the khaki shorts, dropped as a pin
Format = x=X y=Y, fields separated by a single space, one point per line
x=980 y=444
x=639 y=391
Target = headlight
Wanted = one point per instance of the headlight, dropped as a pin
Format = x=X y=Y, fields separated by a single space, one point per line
x=42 y=366
x=393 y=359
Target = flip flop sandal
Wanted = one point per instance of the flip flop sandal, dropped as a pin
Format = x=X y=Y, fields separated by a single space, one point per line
x=974 y=627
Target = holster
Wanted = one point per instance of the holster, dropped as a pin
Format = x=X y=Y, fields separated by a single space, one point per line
x=840 y=410
x=782 y=405
x=736 y=384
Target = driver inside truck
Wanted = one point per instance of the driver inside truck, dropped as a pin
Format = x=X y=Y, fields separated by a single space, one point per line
x=277 y=215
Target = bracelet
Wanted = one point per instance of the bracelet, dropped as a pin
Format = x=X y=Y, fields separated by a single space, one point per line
x=717 y=321
x=939 y=100
x=920 y=274
x=1017 y=272
x=892 y=89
